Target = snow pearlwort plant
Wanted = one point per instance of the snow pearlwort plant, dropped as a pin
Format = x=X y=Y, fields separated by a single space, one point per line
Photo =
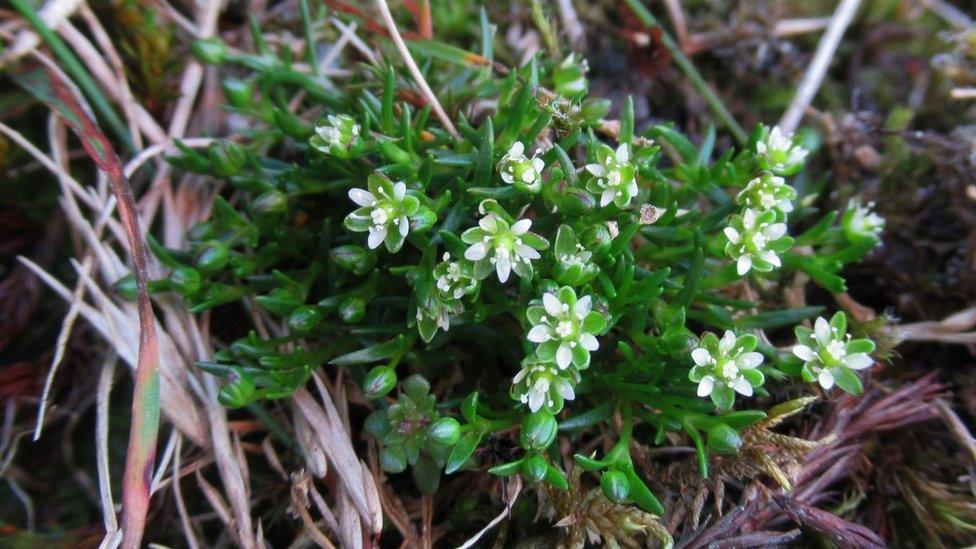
x=378 y=242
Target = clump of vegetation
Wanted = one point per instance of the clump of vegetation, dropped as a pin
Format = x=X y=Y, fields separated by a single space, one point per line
x=539 y=270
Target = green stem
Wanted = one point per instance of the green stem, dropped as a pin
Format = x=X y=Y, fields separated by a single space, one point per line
x=690 y=71
x=309 y=37
x=77 y=71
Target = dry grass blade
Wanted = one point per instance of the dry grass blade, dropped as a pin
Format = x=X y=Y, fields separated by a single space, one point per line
x=818 y=66
x=414 y=69
x=146 y=405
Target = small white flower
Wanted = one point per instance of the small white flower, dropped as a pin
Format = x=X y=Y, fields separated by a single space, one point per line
x=541 y=385
x=755 y=240
x=383 y=212
x=726 y=365
x=829 y=354
x=778 y=154
x=860 y=222
x=336 y=136
x=516 y=168
x=494 y=243
x=565 y=328
x=767 y=192
x=614 y=176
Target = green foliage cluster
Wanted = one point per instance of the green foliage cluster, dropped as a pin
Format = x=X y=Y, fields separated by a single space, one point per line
x=548 y=271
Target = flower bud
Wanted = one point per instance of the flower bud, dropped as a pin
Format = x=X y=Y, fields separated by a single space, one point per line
x=337 y=135
x=596 y=238
x=575 y=201
x=211 y=51
x=416 y=387
x=446 y=431
x=352 y=309
x=304 y=318
x=615 y=486
x=538 y=431
x=185 y=280
x=271 y=202
x=238 y=93
x=379 y=382
x=724 y=439
x=534 y=468
x=213 y=257
x=239 y=390
x=353 y=258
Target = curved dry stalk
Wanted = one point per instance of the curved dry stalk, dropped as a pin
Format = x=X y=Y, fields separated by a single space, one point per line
x=414 y=69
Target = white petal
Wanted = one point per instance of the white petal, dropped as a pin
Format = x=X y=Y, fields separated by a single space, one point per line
x=517 y=149
x=596 y=169
x=538 y=334
x=743 y=265
x=775 y=231
x=399 y=190
x=606 y=197
x=732 y=235
x=488 y=223
x=858 y=361
x=404 y=225
x=749 y=219
x=536 y=399
x=623 y=153
x=521 y=226
x=748 y=361
x=771 y=258
x=564 y=356
x=583 y=306
x=503 y=266
x=520 y=376
x=538 y=164
x=821 y=329
x=376 y=236
x=804 y=353
x=742 y=386
x=588 y=342
x=565 y=389
x=476 y=251
x=705 y=386
x=552 y=304
x=701 y=357
x=632 y=188
x=727 y=342
x=362 y=197
x=826 y=379
x=526 y=251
